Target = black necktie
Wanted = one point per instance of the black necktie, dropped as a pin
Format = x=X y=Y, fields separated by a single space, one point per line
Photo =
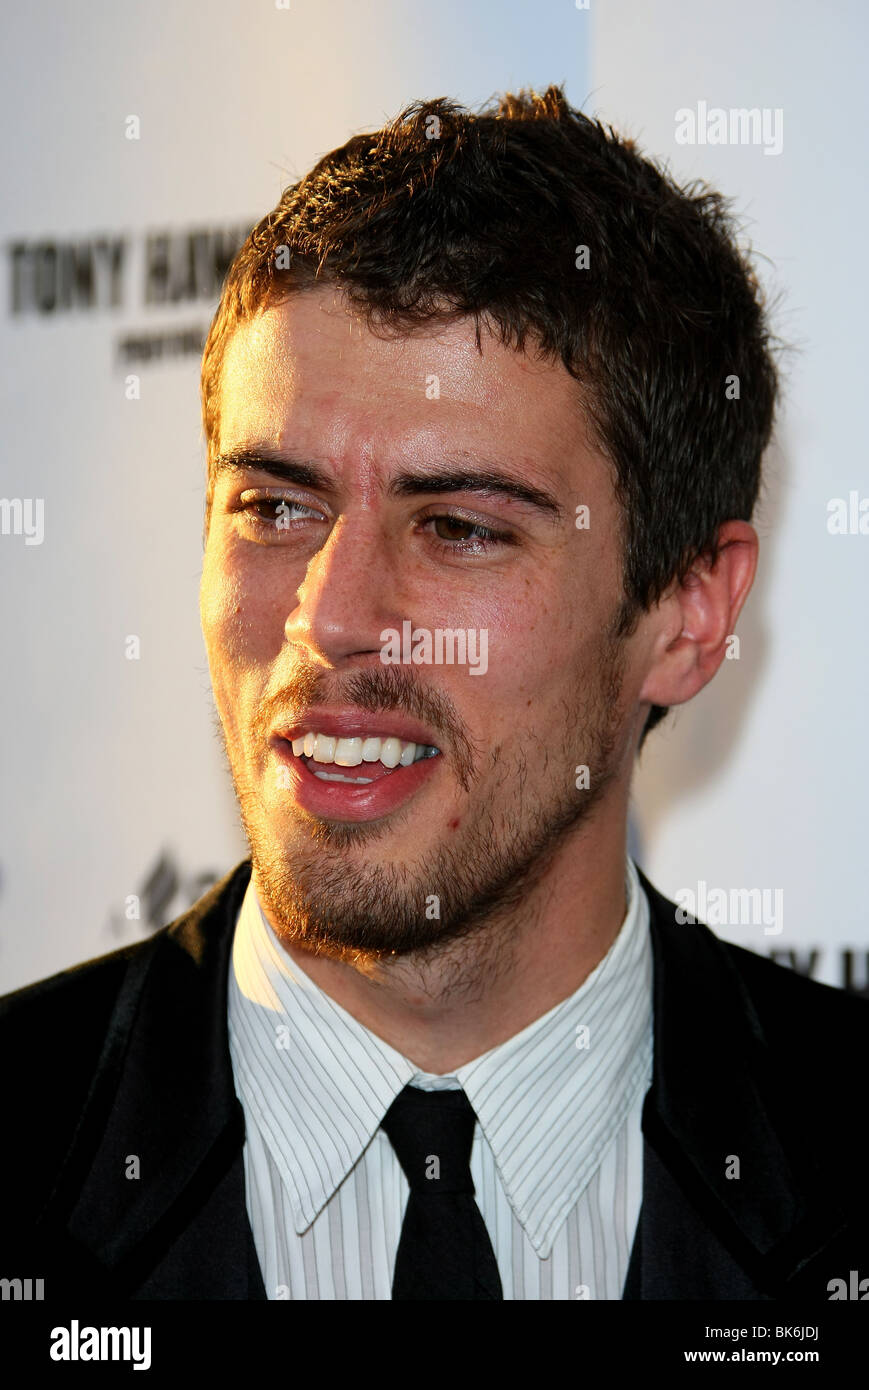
x=444 y=1250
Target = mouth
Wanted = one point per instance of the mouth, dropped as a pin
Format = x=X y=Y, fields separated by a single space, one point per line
x=341 y=772
x=325 y=755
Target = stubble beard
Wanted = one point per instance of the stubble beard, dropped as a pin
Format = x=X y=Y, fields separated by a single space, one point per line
x=322 y=896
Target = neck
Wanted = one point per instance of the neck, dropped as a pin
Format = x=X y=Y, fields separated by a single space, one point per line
x=443 y=1010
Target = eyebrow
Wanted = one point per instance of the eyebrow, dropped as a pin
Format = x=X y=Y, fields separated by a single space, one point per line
x=486 y=478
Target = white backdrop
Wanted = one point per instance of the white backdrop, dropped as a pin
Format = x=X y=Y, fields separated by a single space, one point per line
x=760 y=782
x=113 y=776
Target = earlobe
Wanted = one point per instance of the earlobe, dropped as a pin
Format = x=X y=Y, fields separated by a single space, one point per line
x=688 y=651
x=668 y=680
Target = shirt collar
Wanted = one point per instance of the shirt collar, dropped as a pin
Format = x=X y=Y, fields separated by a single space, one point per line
x=549 y=1100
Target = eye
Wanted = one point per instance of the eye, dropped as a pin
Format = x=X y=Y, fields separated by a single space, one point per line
x=458 y=533
x=274 y=513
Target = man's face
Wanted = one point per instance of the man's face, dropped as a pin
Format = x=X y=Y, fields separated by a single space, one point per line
x=295 y=601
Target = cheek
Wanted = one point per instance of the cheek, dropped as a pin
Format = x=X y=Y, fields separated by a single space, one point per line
x=534 y=635
x=243 y=619
x=222 y=613
x=548 y=654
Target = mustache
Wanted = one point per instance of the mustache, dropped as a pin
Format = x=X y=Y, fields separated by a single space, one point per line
x=377 y=691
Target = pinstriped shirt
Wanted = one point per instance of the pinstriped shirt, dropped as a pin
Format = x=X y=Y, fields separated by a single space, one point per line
x=557 y=1152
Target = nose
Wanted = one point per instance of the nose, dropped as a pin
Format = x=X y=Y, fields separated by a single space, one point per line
x=348 y=596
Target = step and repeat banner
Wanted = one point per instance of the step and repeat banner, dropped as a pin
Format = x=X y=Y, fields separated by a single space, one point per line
x=140 y=145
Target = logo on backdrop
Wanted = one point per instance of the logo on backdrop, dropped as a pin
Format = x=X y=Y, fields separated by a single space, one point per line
x=853 y=972
x=52 y=277
x=163 y=893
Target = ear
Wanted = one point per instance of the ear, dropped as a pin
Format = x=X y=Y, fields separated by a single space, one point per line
x=696 y=617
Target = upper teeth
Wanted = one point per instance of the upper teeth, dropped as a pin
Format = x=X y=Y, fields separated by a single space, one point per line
x=350 y=752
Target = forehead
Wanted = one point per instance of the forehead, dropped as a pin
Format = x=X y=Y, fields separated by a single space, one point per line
x=308 y=373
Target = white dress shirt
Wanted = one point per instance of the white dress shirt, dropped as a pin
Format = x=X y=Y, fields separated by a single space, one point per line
x=557 y=1156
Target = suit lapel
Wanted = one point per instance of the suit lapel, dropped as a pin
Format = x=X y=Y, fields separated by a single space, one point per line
x=717 y=1106
x=151 y=1199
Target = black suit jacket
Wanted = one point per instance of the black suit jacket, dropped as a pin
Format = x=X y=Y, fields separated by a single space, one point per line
x=121 y=1066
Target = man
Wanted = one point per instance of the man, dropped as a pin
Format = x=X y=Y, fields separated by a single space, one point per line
x=485 y=401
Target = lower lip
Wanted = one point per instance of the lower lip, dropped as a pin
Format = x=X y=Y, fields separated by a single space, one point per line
x=342 y=800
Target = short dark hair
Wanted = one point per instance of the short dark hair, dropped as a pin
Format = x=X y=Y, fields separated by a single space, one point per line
x=444 y=213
